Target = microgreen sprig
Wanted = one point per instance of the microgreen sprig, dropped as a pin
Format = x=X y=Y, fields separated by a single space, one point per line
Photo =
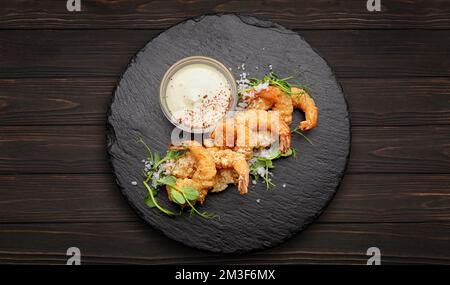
x=155 y=161
x=274 y=80
x=204 y=214
x=179 y=195
x=299 y=132
x=262 y=164
x=154 y=203
x=185 y=195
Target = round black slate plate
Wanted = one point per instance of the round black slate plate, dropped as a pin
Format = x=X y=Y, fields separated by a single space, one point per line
x=263 y=218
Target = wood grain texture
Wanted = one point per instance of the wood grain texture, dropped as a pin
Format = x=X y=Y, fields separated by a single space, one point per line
x=362 y=198
x=361 y=53
x=87 y=53
x=399 y=101
x=400 y=149
x=299 y=14
x=55 y=101
x=79 y=149
x=84 y=101
x=136 y=243
x=82 y=149
x=366 y=60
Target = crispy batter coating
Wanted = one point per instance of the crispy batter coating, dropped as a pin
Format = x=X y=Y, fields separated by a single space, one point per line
x=273 y=98
x=302 y=100
x=229 y=159
x=244 y=129
x=209 y=169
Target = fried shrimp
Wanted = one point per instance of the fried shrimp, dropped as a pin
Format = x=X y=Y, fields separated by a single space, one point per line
x=202 y=186
x=258 y=103
x=302 y=101
x=273 y=98
x=205 y=167
x=241 y=131
x=223 y=178
x=196 y=168
x=209 y=169
x=228 y=159
x=276 y=100
x=183 y=167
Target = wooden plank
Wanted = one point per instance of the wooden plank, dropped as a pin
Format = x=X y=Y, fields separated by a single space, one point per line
x=62 y=198
x=398 y=102
x=76 y=149
x=55 y=101
x=362 y=198
x=390 y=198
x=82 y=149
x=301 y=14
x=400 y=150
x=84 y=101
x=74 y=53
x=136 y=243
x=383 y=53
x=361 y=53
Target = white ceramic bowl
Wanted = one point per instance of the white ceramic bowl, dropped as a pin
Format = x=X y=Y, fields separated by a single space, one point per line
x=183 y=63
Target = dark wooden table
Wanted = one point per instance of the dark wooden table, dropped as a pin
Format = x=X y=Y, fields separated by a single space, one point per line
x=57 y=73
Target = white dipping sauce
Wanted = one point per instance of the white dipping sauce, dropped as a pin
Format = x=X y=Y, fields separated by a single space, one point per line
x=198 y=96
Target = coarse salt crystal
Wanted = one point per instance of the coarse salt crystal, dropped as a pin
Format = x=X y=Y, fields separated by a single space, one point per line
x=261 y=171
x=134 y=183
x=265 y=153
x=242 y=105
x=261 y=86
x=208 y=142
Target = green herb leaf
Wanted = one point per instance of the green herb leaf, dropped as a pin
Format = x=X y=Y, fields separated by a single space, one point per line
x=273 y=80
x=195 y=211
x=290 y=152
x=149 y=202
x=293 y=152
x=257 y=164
x=168 y=180
x=266 y=163
x=254 y=81
x=177 y=197
x=156 y=157
x=152 y=196
x=190 y=193
x=171 y=154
